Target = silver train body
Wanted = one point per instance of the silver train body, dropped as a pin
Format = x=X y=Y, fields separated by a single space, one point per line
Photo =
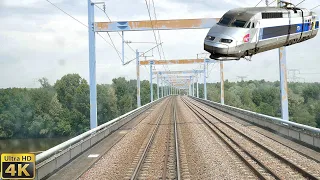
x=247 y=31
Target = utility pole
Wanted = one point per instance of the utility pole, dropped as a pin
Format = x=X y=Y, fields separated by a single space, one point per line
x=151 y=85
x=162 y=83
x=293 y=73
x=197 y=87
x=242 y=77
x=158 y=85
x=204 y=80
x=283 y=80
x=92 y=66
x=193 y=87
x=221 y=83
x=138 y=79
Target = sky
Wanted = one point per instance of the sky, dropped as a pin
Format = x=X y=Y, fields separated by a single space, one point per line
x=38 y=40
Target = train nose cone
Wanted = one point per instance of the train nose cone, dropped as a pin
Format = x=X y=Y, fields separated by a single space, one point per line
x=216 y=48
x=218 y=43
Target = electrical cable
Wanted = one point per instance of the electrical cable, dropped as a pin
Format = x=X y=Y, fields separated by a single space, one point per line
x=315 y=7
x=300 y=2
x=84 y=25
x=258 y=3
x=155 y=17
x=153 y=28
x=111 y=21
x=67 y=13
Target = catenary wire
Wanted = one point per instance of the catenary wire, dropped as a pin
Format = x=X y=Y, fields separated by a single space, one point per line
x=84 y=25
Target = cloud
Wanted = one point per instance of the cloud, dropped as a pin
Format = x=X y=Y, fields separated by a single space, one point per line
x=207 y=5
x=38 y=40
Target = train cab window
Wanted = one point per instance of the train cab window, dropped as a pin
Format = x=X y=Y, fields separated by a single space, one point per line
x=224 y=21
x=249 y=25
x=252 y=25
x=238 y=23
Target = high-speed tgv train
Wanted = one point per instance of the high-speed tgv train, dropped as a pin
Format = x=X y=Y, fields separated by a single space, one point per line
x=244 y=32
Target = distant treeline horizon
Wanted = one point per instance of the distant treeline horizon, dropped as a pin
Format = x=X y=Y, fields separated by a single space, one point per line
x=63 y=108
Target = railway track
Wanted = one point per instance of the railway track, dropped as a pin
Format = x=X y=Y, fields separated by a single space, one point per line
x=265 y=163
x=170 y=167
x=269 y=136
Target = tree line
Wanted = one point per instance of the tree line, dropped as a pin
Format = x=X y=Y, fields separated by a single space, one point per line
x=264 y=97
x=63 y=109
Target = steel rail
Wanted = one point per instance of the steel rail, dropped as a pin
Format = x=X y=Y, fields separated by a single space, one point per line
x=67 y=144
x=144 y=154
x=134 y=127
x=273 y=139
x=176 y=141
x=254 y=169
x=165 y=163
x=275 y=120
x=288 y=162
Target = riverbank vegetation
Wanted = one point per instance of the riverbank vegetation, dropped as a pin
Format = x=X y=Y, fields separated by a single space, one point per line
x=63 y=109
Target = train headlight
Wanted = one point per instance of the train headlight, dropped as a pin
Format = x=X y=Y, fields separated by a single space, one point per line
x=226 y=40
x=210 y=38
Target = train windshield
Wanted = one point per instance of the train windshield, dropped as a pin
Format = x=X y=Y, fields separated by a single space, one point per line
x=238 y=23
x=225 y=21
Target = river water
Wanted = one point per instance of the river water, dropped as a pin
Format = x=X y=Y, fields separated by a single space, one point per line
x=29 y=145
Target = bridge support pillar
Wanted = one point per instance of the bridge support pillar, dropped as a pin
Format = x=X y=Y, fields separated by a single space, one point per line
x=92 y=66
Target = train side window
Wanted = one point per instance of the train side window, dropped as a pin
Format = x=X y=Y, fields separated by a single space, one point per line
x=252 y=25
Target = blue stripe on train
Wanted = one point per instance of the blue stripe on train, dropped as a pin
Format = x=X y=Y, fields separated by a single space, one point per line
x=270 y=32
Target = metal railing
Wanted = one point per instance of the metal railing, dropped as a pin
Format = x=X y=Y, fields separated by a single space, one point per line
x=300 y=132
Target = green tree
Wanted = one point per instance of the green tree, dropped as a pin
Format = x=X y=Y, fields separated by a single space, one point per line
x=312 y=91
x=317 y=116
x=69 y=88
x=301 y=115
x=107 y=103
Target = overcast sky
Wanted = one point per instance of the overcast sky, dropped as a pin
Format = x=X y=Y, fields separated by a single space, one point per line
x=37 y=40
